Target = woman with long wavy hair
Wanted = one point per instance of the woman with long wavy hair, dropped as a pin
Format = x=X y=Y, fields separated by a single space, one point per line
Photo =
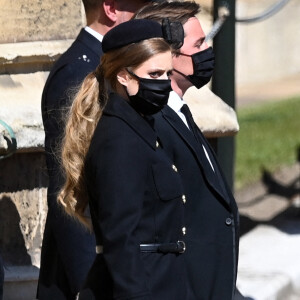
x=114 y=161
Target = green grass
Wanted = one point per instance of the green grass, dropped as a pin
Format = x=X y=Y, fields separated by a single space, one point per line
x=269 y=138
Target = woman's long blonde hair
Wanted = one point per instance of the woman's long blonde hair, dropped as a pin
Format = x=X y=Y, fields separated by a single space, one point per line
x=85 y=113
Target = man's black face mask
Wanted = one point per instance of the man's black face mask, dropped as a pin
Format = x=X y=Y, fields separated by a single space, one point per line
x=203 y=65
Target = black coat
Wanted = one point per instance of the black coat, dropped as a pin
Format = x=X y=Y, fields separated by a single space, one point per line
x=68 y=249
x=135 y=198
x=211 y=213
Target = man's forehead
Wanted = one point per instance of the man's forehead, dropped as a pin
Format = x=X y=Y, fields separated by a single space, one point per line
x=191 y=25
x=192 y=29
x=194 y=35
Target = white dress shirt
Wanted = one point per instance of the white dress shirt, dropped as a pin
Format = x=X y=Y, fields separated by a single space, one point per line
x=94 y=33
x=175 y=102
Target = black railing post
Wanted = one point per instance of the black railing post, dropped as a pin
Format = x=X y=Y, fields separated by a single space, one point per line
x=223 y=83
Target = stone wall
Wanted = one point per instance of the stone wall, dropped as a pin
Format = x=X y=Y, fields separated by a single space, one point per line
x=39 y=20
x=267 y=50
x=23 y=208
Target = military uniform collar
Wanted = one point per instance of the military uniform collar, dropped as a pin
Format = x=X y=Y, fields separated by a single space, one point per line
x=90 y=41
x=94 y=33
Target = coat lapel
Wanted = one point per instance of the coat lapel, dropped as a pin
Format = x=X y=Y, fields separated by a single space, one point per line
x=212 y=177
x=225 y=186
x=120 y=108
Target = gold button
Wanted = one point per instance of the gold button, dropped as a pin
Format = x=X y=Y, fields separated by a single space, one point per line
x=157 y=144
x=183 y=199
x=183 y=230
x=174 y=168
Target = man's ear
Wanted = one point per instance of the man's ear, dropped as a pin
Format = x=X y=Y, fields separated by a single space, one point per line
x=109 y=7
x=123 y=77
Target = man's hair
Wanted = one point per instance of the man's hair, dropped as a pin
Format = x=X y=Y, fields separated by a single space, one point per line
x=91 y=4
x=173 y=10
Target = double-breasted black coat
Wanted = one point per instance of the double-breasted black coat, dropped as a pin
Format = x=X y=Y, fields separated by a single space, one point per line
x=135 y=196
x=68 y=249
x=211 y=213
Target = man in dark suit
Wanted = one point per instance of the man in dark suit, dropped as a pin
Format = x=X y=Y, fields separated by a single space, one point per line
x=68 y=249
x=1 y=278
x=212 y=221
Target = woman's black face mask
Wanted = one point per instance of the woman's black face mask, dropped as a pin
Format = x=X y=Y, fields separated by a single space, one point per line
x=203 y=64
x=152 y=96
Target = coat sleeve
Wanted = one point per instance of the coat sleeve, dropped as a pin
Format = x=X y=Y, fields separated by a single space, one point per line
x=119 y=185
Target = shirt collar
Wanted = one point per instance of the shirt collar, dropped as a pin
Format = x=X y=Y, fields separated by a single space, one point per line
x=175 y=102
x=94 y=33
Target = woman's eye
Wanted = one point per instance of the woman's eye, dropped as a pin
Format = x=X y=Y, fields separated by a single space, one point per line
x=154 y=74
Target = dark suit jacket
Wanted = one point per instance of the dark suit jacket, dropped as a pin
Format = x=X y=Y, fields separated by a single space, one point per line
x=1 y=277
x=211 y=211
x=135 y=197
x=68 y=249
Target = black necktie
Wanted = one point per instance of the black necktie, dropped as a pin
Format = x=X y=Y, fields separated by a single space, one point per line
x=189 y=118
x=206 y=161
x=193 y=127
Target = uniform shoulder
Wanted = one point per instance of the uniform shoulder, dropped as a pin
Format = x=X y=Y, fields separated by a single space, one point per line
x=84 y=53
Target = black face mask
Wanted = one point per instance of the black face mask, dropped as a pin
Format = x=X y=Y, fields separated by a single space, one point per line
x=203 y=64
x=152 y=96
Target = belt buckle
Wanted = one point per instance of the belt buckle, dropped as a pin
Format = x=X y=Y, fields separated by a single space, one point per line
x=181 y=245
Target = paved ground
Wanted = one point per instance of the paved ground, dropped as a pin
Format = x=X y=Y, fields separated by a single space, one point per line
x=253 y=94
x=269 y=264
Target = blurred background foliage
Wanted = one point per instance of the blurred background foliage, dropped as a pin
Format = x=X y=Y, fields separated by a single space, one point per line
x=269 y=138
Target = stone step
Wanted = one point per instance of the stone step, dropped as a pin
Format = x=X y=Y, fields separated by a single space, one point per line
x=20 y=282
x=269 y=264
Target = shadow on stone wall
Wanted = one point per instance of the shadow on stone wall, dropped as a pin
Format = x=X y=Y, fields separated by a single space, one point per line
x=12 y=246
x=23 y=171
x=23 y=207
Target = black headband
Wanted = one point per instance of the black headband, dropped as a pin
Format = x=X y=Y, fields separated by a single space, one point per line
x=134 y=31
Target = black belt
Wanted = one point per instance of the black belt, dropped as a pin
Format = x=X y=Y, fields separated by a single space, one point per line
x=178 y=247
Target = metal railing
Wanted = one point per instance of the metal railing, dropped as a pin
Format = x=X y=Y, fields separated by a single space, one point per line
x=224 y=13
x=11 y=142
